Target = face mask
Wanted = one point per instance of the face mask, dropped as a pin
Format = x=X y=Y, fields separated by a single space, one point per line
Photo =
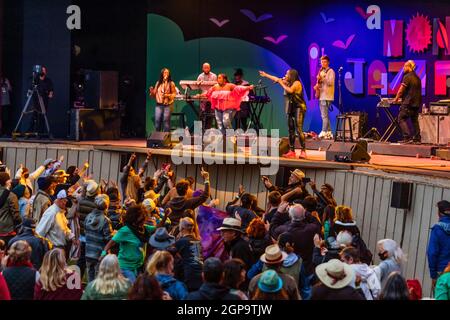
x=382 y=255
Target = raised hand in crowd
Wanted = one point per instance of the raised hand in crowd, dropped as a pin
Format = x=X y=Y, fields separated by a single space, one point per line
x=266 y=182
x=204 y=174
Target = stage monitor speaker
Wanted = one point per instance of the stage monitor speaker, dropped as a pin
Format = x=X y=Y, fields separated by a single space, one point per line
x=348 y=152
x=401 y=195
x=159 y=140
x=101 y=89
x=359 y=124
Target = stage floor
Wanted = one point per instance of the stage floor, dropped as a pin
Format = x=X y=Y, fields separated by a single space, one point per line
x=316 y=158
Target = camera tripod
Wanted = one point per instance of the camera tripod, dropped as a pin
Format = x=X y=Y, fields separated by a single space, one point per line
x=31 y=93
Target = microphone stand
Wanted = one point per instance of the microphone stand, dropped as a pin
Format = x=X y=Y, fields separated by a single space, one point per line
x=341 y=103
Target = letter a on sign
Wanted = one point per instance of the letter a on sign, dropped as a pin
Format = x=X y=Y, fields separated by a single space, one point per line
x=374 y=20
x=74 y=20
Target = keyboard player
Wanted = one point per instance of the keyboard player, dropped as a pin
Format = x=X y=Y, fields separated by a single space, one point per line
x=411 y=94
x=206 y=114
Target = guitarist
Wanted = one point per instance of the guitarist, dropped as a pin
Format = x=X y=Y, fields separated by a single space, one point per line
x=164 y=92
x=325 y=93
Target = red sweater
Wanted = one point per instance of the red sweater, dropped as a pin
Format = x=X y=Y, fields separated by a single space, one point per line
x=4 y=291
x=62 y=293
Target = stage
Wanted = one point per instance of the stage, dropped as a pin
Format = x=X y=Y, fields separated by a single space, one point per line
x=417 y=165
x=366 y=187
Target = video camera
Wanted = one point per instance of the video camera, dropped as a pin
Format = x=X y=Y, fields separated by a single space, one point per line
x=37 y=72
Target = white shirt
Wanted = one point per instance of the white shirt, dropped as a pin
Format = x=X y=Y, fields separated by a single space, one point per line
x=327 y=85
x=54 y=226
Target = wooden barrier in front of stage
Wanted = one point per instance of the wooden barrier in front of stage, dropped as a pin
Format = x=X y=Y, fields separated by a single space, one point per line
x=367 y=192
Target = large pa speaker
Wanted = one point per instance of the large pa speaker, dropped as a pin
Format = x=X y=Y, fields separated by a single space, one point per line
x=401 y=195
x=159 y=140
x=101 y=89
x=348 y=152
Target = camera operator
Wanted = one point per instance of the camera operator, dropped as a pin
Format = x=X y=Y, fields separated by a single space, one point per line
x=45 y=88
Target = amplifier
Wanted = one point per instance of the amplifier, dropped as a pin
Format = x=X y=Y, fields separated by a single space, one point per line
x=359 y=124
x=88 y=124
x=439 y=109
x=435 y=129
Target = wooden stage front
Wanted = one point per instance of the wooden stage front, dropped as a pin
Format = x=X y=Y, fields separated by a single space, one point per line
x=366 y=188
x=316 y=159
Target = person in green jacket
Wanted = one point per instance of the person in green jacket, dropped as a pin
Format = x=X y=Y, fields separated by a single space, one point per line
x=442 y=289
x=110 y=284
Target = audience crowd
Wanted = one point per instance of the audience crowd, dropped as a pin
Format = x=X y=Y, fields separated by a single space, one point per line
x=64 y=236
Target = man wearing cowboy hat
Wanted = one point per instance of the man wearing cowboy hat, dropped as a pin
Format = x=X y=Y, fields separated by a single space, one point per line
x=295 y=188
x=273 y=259
x=439 y=245
x=236 y=246
x=336 y=280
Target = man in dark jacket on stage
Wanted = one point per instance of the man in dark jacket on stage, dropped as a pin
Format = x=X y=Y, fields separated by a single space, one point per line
x=212 y=289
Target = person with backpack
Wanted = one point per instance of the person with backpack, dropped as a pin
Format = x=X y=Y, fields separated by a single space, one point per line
x=98 y=231
x=9 y=209
x=366 y=279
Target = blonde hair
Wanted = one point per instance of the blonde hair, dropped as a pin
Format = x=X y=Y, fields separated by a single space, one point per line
x=19 y=252
x=343 y=214
x=190 y=226
x=158 y=262
x=53 y=270
x=109 y=279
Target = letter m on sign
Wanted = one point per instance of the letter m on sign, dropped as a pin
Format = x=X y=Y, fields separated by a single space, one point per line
x=393 y=38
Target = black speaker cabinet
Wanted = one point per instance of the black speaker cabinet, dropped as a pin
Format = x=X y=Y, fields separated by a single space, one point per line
x=101 y=89
x=87 y=124
x=159 y=140
x=401 y=195
x=348 y=152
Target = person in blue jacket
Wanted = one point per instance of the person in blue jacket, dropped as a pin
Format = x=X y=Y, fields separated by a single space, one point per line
x=439 y=245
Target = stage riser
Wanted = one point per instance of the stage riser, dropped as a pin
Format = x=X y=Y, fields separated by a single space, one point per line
x=367 y=192
x=403 y=150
